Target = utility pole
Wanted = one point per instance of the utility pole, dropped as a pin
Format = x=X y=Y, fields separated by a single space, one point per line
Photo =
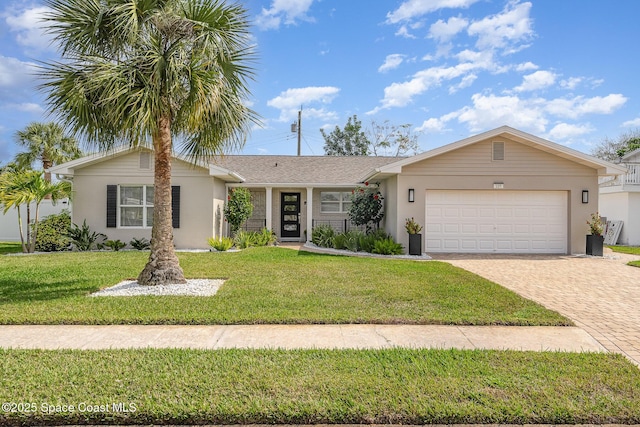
x=297 y=127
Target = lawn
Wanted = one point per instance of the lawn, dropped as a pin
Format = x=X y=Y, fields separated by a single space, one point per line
x=10 y=247
x=264 y=285
x=399 y=386
x=633 y=250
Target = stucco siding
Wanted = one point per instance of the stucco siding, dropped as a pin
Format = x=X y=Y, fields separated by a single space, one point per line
x=196 y=193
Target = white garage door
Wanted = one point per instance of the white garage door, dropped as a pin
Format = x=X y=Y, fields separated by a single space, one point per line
x=496 y=221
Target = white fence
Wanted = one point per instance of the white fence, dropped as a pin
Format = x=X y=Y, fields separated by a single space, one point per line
x=9 y=231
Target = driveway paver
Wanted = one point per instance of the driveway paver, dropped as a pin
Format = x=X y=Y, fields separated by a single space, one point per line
x=600 y=294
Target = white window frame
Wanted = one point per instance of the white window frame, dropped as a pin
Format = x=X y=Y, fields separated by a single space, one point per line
x=341 y=202
x=146 y=222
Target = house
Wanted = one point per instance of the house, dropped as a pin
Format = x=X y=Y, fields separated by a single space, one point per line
x=502 y=191
x=620 y=199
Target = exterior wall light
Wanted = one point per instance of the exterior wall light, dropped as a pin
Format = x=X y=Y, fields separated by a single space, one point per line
x=585 y=196
x=412 y=195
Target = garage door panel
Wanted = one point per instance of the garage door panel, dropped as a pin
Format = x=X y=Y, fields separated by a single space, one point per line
x=496 y=221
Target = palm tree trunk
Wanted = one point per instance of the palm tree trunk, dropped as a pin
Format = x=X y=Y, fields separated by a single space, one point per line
x=24 y=247
x=163 y=266
x=34 y=235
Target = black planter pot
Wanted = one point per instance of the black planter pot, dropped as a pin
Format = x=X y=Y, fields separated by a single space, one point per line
x=415 y=244
x=595 y=245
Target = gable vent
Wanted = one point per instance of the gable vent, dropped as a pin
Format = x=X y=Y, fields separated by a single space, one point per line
x=498 y=151
x=145 y=160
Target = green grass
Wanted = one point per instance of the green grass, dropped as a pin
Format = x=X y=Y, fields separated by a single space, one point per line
x=265 y=285
x=10 y=247
x=633 y=250
x=397 y=386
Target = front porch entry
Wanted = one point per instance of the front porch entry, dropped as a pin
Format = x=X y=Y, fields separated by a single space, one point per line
x=290 y=216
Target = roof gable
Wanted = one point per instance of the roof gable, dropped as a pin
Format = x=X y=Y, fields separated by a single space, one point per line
x=603 y=167
x=70 y=167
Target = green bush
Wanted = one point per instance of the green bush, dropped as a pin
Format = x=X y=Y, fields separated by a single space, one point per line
x=115 y=245
x=265 y=237
x=140 y=244
x=244 y=239
x=348 y=240
x=238 y=208
x=366 y=206
x=367 y=243
x=221 y=244
x=323 y=236
x=387 y=247
x=52 y=233
x=83 y=239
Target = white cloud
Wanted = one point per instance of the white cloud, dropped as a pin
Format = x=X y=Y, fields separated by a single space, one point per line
x=632 y=123
x=287 y=11
x=464 y=83
x=568 y=131
x=490 y=111
x=432 y=125
x=290 y=101
x=29 y=107
x=29 y=27
x=400 y=94
x=579 y=106
x=445 y=31
x=391 y=62
x=411 y=9
x=505 y=30
x=571 y=83
x=526 y=66
x=15 y=73
x=535 y=81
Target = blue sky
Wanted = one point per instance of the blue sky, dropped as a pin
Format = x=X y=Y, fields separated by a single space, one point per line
x=565 y=70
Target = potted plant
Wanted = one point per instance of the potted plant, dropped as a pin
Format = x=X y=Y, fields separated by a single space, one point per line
x=415 y=238
x=595 y=240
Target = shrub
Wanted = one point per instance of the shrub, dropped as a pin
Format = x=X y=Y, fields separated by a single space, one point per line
x=323 y=236
x=387 y=247
x=115 y=245
x=83 y=239
x=265 y=237
x=221 y=244
x=366 y=206
x=367 y=242
x=140 y=244
x=238 y=208
x=412 y=226
x=52 y=233
x=245 y=239
x=348 y=240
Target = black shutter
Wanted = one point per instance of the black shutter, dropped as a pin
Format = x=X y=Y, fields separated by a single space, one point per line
x=112 y=205
x=175 y=205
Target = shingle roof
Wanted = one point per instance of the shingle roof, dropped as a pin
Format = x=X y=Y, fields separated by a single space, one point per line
x=316 y=170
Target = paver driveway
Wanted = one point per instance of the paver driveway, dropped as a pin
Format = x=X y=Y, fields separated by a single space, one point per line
x=601 y=295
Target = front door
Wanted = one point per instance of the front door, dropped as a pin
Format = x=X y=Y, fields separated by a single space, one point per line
x=290 y=215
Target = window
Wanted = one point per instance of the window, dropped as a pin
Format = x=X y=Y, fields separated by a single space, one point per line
x=498 y=151
x=335 y=201
x=136 y=206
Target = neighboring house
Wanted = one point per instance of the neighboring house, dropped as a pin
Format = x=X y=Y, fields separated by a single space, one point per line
x=502 y=191
x=620 y=199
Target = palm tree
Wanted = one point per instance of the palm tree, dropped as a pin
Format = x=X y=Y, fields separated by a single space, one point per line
x=140 y=70
x=45 y=143
x=19 y=188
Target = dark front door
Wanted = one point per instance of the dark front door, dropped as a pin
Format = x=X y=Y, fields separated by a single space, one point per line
x=290 y=215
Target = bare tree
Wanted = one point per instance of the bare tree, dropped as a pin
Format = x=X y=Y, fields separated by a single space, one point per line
x=612 y=149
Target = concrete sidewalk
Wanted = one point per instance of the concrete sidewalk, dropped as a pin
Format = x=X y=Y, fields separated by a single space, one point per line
x=534 y=338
